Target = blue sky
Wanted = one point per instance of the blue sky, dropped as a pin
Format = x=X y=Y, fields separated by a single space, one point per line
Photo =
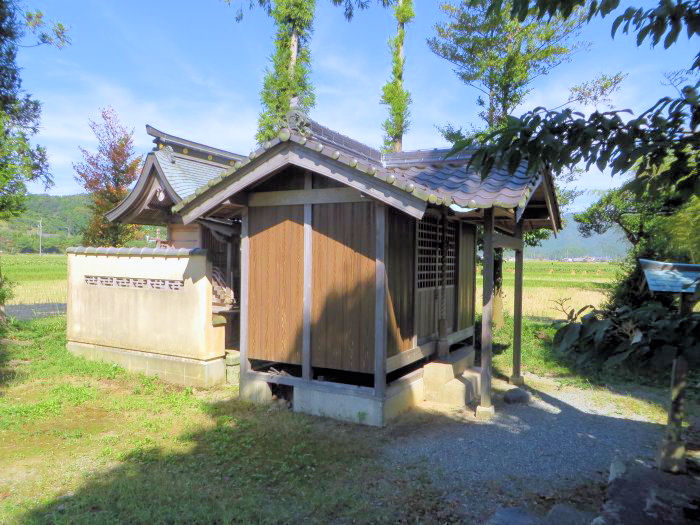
x=189 y=69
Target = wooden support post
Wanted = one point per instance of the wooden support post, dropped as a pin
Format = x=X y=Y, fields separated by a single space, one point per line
x=443 y=346
x=517 y=378
x=245 y=273
x=485 y=409
x=380 y=305
x=306 y=371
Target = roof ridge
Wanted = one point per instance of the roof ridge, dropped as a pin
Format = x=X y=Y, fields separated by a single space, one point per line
x=162 y=138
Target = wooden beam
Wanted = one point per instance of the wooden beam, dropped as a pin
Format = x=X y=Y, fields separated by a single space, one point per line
x=516 y=378
x=307 y=196
x=461 y=335
x=415 y=283
x=245 y=273
x=408 y=357
x=548 y=193
x=306 y=371
x=380 y=304
x=506 y=241
x=255 y=171
x=486 y=405
x=372 y=186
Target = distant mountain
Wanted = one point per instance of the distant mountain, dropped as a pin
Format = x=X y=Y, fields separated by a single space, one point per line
x=570 y=243
x=63 y=218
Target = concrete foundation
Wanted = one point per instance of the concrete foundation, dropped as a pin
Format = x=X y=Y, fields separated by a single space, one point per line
x=346 y=407
x=179 y=370
x=325 y=400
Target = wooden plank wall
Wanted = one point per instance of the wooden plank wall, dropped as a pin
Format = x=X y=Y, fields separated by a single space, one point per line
x=400 y=268
x=466 y=277
x=343 y=295
x=275 y=311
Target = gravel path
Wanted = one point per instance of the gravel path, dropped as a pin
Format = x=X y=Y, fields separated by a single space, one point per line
x=557 y=443
x=25 y=312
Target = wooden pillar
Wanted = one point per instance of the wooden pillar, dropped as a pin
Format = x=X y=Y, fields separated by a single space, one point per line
x=306 y=371
x=443 y=347
x=380 y=304
x=245 y=273
x=517 y=378
x=485 y=409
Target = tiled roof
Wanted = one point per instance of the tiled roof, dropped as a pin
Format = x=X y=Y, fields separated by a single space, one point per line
x=150 y=252
x=671 y=277
x=186 y=174
x=429 y=175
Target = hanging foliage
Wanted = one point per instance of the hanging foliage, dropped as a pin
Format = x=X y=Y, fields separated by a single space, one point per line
x=394 y=95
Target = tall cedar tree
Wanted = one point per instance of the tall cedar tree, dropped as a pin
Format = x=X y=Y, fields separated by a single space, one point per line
x=393 y=93
x=289 y=76
x=106 y=175
x=20 y=161
x=291 y=61
x=500 y=58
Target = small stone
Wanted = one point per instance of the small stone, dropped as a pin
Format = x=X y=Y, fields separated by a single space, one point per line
x=516 y=395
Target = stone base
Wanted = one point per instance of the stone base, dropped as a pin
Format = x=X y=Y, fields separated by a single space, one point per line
x=255 y=390
x=516 y=380
x=346 y=407
x=320 y=399
x=485 y=412
x=178 y=370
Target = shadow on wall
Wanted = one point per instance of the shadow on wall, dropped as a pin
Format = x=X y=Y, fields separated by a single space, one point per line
x=248 y=464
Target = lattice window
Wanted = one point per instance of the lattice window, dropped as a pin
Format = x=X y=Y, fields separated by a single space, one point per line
x=430 y=252
x=134 y=282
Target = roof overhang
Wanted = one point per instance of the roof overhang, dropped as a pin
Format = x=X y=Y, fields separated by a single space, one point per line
x=150 y=181
x=316 y=158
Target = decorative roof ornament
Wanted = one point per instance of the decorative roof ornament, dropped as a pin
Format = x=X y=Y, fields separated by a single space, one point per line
x=297 y=119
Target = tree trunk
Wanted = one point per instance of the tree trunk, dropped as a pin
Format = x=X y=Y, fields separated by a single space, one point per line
x=293 y=51
x=498 y=321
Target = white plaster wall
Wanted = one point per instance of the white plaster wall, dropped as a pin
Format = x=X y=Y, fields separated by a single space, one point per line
x=171 y=322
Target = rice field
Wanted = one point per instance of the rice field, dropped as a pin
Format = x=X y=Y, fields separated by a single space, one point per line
x=42 y=279
x=36 y=278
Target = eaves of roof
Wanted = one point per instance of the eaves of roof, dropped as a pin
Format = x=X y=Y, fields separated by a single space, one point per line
x=427 y=175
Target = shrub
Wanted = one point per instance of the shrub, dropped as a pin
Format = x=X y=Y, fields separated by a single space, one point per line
x=647 y=336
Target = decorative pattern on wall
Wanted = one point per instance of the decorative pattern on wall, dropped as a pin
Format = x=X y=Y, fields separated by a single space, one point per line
x=134 y=282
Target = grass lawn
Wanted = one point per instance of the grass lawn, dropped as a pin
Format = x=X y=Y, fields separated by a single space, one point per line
x=85 y=442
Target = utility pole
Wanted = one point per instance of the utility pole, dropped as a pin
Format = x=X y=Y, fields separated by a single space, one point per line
x=40 y=234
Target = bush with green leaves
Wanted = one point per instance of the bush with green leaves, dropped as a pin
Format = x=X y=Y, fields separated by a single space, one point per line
x=649 y=336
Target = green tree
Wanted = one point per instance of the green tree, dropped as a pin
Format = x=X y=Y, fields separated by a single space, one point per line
x=288 y=78
x=394 y=95
x=563 y=140
x=500 y=58
x=681 y=230
x=21 y=162
x=107 y=175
